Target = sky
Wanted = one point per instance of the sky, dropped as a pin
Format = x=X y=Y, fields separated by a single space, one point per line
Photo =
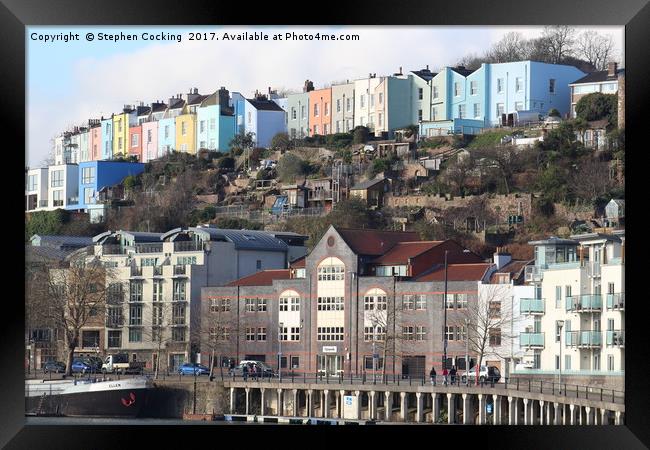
x=71 y=82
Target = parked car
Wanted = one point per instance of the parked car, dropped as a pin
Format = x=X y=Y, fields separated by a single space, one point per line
x=120 y=363
x=54 y=366
x=263 y=370
x=81 y=366
x=192 y=368
x=489 y=374
x=94 y=362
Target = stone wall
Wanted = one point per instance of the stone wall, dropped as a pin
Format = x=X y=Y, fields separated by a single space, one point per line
x=571 y=213
x=595 y=382
x=172 y=398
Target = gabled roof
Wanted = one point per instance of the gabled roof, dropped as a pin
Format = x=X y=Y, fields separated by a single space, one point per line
x=197 y=100
x=462 y=71
x=367 y=184
x=402 y=251
x=264 y=105
x=142 y=110
x=177 y=103
x=158 y=108
x=298 y=263
x=425 y=74
x=514 y=268
x=598 y=77
x=457 y=272
x=374 y=242
x=262 y=278
x=36 y=254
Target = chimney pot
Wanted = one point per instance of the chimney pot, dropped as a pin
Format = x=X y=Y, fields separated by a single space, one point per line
x=611 y=68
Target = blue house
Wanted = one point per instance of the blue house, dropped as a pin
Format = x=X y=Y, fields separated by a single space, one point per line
x=215 y=122
x=95 y=175
x=261 y=116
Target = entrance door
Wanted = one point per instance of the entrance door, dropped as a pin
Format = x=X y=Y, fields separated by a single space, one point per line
x=329 y=364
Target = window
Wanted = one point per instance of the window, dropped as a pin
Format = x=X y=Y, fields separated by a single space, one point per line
x=261 y=304
x=567 y=291
x=461 y=333
x=477 y=110
x=119 y=143
x=379 y=333
x=407 y=333
x=157 y=315
x=419 y=115
x=434 y=113
x=420 y=333
x=326 y=129
x=88 y=175
x=185 y=260
x=184 y=128
x=135 y=334
x=114 y=316
x=316 y=110
x=114 y=339
x=178 y=334
x=557 y=362
x=500 y=109
x=89 y=195
x=330 y=333
x=558 y=296
x=258 y=264
x=293 y=113
x=519 y=84
x=372 y=100
x=135 y=289
x=494 y=309
x=597 y=361
x=519 y=106
x=134 y=140
x=338 y=126
x=461 y=111
x=435 y=92
x=408 y=303
x=381 y=120
x=202 y=126
x=610 y=362
x=148 y=136
x=135 y=315
x=330 y=304
x=250 y=304
x=456 y=89
x=261 y=334
x=420 y=302
x=449 y=333
x=284 y=304
x=362 y=101
x=348 y=104
x=551 y=85
x=368 y=363
x=219 y=305
x=179 y=290
x=495 y=337
x=295 y=362
x=166 y=131
x=57 y=178
x=537 y=359
x=331 y=273
x=499 y=85
x=381 y=97
x=473 y=87
x=250 y=333
x=327 y=109
x=557 y=331
x=157 y=290
x=567 y=362
x=315 y=129
x=213 y=124
x=420 y=93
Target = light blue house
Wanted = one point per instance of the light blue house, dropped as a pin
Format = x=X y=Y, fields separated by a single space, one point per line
x=260 y=116
x=298 y=114
x=215 y=122
x=95 y=175
x=107 y=138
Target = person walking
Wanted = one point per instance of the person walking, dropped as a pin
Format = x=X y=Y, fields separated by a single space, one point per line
x=452 y=374
x=254 y=369
x=432 y=374
x=245 y=372
x=444 y=376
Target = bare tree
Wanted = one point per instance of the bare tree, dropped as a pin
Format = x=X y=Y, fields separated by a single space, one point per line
x=590 y=180
x=458 y=173
x=217 y=330
x=487 y=320
x=387 y=332
x=508 y=159
x=595 y=48
x=560 y=40
x=71 y=298
x=536 y=50
x=510 y=48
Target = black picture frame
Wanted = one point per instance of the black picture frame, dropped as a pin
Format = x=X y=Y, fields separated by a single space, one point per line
x=16 y=14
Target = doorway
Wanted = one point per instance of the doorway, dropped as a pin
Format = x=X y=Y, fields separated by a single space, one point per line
x=329 y=364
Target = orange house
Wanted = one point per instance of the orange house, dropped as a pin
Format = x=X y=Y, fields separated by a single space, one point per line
x=320 y=111
x=135 y=142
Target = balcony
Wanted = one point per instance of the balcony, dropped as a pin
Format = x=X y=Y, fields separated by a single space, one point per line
x=113 y=250
x=533 y=273
x=180 y=270
x=188 y=246
x=584 y=339
x=616 y=301
x=593 y=269
x=73 y=200
x=615 y=338
x=149 y=248
x=178 y=321
x=531 y=305
x=115 y=298
x=531 y=340
x=319 y=195
x=584 y=303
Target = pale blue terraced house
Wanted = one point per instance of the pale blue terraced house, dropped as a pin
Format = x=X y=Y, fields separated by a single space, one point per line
x=107 y=138
x=215 y=122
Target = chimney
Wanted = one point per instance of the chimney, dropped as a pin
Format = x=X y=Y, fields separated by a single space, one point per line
x=224 y=96
x=501 y=258
x=309 y=86
x=461 y=67
x=427 y=66
x=400 y=70
x=611 y=69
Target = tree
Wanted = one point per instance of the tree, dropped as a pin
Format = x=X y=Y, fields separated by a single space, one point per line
x=243 y=142
x=386 y=331
x=71 y=297
x=554 y=113
x=591 y=180
x=458 y=173
x=280 y=141
x=360 y=135
x=597 y=106
x=560 y=40
x=289 y=167
x=218 y=330
x=488 y=321
x=508 y=159
x=595 y=48
x=510 y=48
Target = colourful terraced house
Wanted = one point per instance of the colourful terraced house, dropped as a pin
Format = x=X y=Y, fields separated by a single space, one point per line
x=216 y=122
x=121 y=124
x=186 y=123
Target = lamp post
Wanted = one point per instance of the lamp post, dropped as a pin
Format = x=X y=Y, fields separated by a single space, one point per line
x=467 y=351
x=374 y=355
x=560 y=324
x=280 y=329
x=444 y=327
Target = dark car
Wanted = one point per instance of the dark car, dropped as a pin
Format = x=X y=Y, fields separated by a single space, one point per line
x=193 y=368
x=54 y=366
x=94 y=362
x=80 y=366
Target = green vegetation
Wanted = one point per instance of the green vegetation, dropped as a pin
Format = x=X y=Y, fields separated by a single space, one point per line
x=61 y=222
x=487 y=139
x=554 y=113
x=435 y=142
x=290 y=167
x=281 y=141
x=597 y=106
x=361 y=135
x=234 y=223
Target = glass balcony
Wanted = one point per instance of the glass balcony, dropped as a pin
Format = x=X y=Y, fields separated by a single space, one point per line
x=149 y=248
x=531 y=306
x=583 y=339
x=113 y=250
x=616 y=301
x=188 y=246
x=616 y=338
x=533 y=273
x=584 y=303
x=531 y=340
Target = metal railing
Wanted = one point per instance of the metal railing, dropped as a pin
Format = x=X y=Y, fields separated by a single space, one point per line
x=584 y=303
x=583 y=339
x=615 y=338
x=149 y=248
x=188 y=246
x=531 y=305
x=42 y=203
x=616 y=301
x=533 y=273
x=114 y=322
x=113 y=249
x=535 y=340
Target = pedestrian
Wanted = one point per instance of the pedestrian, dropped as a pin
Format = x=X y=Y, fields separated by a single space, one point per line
x=452 y=374
x=245 y=372
x=444 y=376
x=254 y=368
x=432 y=374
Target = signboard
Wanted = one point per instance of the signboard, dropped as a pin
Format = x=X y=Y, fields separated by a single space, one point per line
x=489 y=408
x=350 y=407
x=329 y=349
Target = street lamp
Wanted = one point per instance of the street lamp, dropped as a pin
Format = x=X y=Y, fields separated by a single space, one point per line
x=280 y=329
x=467 y=351
x=374 y=355
x=560 y=324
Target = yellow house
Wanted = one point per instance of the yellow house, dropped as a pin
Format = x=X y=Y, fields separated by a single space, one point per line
x=121 y=124
x=186 y=132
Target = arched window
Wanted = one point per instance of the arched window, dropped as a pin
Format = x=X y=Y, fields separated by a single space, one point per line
x=331 y=269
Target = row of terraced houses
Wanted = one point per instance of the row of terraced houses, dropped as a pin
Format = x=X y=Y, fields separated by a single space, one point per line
x=221 y=296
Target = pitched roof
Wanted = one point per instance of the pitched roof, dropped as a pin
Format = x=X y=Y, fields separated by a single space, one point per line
x=158 y=108
x=298 y=263
x=425 y=74
x=402 y=251
x=457 y=272
x=197 y=100
x=264 y=105
x=367 y=184
x=462 y=71
x=598 y=77
x=35 y=254
x=58 y=241
x=262 y=278
x=374 y=242
x=514 y=268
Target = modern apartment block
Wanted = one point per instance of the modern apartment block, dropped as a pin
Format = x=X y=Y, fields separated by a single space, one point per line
x=579 y=306
x=355 y=286
x=36 y=189
x=156 y=282
x=63 y=182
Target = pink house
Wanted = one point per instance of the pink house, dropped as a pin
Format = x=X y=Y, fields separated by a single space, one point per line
x=95 y=140
x=149 y=141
